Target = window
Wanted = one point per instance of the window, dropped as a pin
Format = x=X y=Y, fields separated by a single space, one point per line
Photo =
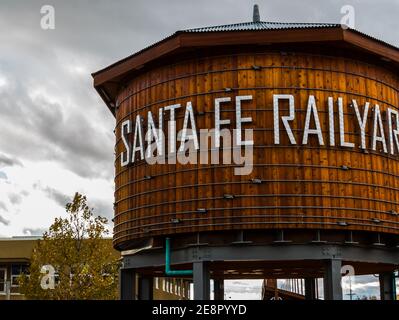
x=16 y=271
x=3 y=279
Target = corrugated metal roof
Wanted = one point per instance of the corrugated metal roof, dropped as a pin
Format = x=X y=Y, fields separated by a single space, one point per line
x=261 y=25
x=248 y=26
x=244 y=26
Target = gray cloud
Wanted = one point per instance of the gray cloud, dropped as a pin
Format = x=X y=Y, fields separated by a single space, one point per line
x=16 y=198
x=244 y=286
x=102 y=208
x=56 y=195
x=8 y=161
x=34 y=231
x=3 y=206
x=365 y=279
x=369 y=287
x=4 y=221
x=67 y=137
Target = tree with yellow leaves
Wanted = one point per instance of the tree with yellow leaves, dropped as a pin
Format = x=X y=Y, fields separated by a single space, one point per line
x=73 y=261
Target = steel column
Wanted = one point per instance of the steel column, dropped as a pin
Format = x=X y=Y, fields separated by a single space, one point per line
x=218 y=289
x=127 y=284
x=146 y=288
x=387 y=286
x=310 y=289
x=201 y=281
x=332 y=280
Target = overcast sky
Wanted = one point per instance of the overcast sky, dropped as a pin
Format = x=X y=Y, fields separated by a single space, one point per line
x=56 y=133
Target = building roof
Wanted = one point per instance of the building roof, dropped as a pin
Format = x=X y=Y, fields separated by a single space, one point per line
x=261 y=25
x=108 y=80
x=17 y=248
x=244 y=26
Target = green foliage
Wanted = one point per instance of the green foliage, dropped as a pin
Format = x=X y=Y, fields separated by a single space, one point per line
x=86 y=264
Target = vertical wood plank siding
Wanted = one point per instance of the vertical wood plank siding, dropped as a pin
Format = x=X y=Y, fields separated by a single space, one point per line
x=304 y=186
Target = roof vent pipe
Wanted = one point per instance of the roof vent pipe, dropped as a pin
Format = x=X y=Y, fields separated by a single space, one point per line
x=256 y=17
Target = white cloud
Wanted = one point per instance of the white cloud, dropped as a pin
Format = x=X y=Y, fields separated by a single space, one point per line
x=3 y=81
x=37 y=183
x=243 y=289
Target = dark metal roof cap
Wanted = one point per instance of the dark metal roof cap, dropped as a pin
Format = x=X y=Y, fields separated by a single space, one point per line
x=261 y=25
x=257 y=24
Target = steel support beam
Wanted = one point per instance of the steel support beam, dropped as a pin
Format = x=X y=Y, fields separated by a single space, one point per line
x=146 y=288
x=201 y=280
x=127 y=284
x=332 y=280
x=218 y=289
x=387 y=286
x=310 y=289
x=156 y=258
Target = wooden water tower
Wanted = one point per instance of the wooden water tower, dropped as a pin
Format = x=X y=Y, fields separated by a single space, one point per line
x=306 y=209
